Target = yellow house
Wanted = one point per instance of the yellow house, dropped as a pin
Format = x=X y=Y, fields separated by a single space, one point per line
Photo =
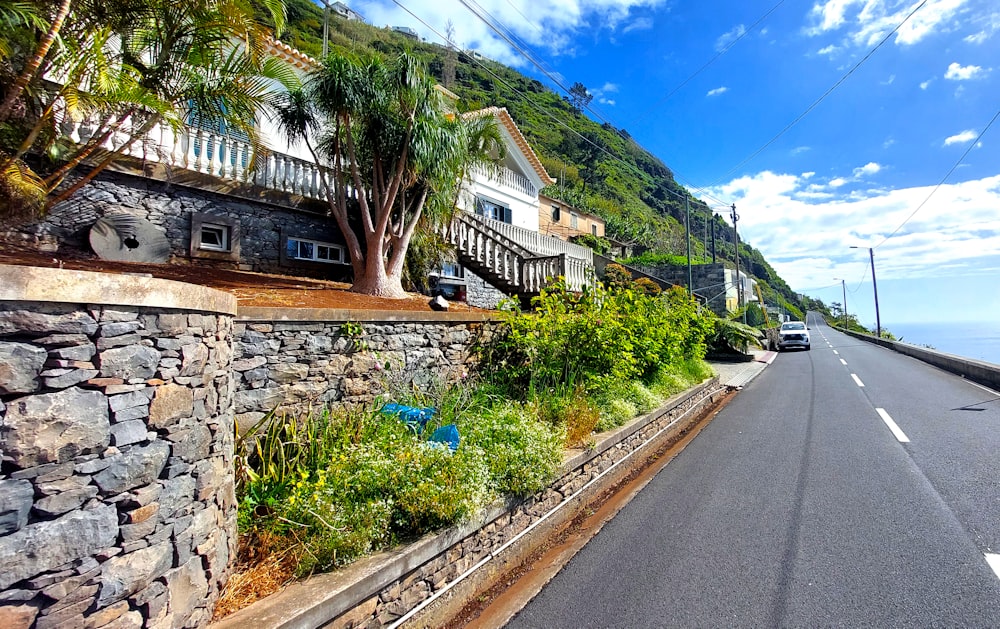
x=556 y=218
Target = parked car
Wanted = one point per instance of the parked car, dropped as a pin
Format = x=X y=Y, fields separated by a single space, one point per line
x=793 y=334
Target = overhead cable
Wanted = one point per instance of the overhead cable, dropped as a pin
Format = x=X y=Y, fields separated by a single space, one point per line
x=943 y=179
x=821 y=98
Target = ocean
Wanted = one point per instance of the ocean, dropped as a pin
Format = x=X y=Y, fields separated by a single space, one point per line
x=969 y=339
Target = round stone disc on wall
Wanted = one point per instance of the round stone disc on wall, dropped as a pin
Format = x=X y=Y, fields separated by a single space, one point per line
x=126 y=238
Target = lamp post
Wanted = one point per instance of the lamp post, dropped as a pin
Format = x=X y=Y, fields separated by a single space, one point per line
x=878 y=321
x=843 y=287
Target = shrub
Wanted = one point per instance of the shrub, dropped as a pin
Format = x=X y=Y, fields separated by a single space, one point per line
x=522 y=452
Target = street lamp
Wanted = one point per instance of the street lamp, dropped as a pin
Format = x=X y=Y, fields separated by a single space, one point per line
x=844 y=288
x=878 y=321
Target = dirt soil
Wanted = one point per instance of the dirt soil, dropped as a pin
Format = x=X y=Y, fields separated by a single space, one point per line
x=250 y=289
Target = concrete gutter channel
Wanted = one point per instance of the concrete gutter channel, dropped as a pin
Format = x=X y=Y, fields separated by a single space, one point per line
x=984 y=373
x=348 y=597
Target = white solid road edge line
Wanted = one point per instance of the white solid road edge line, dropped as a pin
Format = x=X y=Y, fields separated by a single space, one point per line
x=994 y=560
x=857 y=380
x=900 y=436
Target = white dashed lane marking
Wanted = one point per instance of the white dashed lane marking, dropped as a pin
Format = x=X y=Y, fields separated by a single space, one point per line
x=900 y=436
x=843 y=362
x=994 y=561
x=857 y=380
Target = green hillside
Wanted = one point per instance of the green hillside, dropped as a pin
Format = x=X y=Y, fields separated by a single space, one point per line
x=600 y=169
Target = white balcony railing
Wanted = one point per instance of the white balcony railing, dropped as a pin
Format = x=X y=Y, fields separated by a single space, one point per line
x=220 y=155
x=507 y=178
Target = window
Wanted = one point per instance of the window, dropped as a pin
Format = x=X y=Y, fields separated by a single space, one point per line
x=453 y=271
x=314 y=251
x=574 y=220
x=216 y=237
x=593 y=229
x=493 y=210
x=555 y=213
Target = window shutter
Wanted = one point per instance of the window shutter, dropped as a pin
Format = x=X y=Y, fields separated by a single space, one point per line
x=507 y=218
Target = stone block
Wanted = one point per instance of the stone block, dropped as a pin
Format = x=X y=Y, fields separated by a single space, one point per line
x=131 y=533
x=192 y=444
x=17 y=616
x=194 y=359
x=119 y=328
x=12 y=321
x=246 y=364
x=170 y=403
x=20 y=366
x=64 y=501
x=129 y=432
x=109 y=314
x=129 y=400
x=172 y=324
x=77 y=352
x=131 y=361
x=104 y=616
x=16 y=498
x=127 y=574
x=263 y=399
x=63 y=340
x=188 y=588
x=69 y=379
x=129 y=414
x=176 y=494
x=47 y=545
x=55 y=427
x=138 y=466
x=66 y=616
x=110 y=342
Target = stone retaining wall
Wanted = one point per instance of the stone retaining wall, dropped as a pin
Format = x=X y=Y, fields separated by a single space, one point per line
x=116 y=487
x=377 y=591
x=302 y=359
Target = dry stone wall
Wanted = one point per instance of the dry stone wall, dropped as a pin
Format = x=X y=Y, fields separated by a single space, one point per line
x=116 y=487
x=340 y=357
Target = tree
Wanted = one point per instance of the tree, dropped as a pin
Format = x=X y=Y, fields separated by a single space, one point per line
x=579 y=97
x=392 y=158
x=122 y=68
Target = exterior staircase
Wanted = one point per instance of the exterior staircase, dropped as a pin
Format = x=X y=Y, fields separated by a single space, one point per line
x=506 y=264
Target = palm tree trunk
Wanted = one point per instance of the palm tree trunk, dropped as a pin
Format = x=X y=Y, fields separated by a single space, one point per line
x=34 y=61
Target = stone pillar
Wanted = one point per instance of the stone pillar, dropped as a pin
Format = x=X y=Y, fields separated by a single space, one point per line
x=117 y=505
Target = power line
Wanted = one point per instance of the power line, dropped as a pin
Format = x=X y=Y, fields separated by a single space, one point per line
x=505 y=33
x=943 y=179
x=547 y=113
x=707 y=63
x=821 y=98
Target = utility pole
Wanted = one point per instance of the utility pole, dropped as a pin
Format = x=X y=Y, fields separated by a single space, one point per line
x=739 y=282
x=326 y=27
x=878 y=320
x=843 y=314
x=712 y=221
x=687 y=235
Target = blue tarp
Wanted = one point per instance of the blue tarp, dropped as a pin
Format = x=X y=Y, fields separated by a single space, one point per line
x=415 y=418
x=447 y=435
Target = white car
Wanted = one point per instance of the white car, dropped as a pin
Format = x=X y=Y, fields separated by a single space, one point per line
x=793 y=334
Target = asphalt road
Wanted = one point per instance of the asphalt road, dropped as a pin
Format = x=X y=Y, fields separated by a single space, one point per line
x=799 y=506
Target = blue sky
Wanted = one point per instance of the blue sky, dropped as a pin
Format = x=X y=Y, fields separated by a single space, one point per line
x=853 y=168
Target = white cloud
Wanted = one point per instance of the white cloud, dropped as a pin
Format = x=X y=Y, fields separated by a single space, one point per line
x=837 y=182
x=798 y=150
x=547 y=26
x=870 y=168
x=925 y=84
x=865 y=22
x=804 y=231
x=717 y=91
x=958 y=72
x=889 y=81
x=961 y=138
x=726 y=39
x=638 y=24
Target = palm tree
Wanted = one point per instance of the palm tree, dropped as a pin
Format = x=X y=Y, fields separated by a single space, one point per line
x=124 y=68
x=394 y=159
